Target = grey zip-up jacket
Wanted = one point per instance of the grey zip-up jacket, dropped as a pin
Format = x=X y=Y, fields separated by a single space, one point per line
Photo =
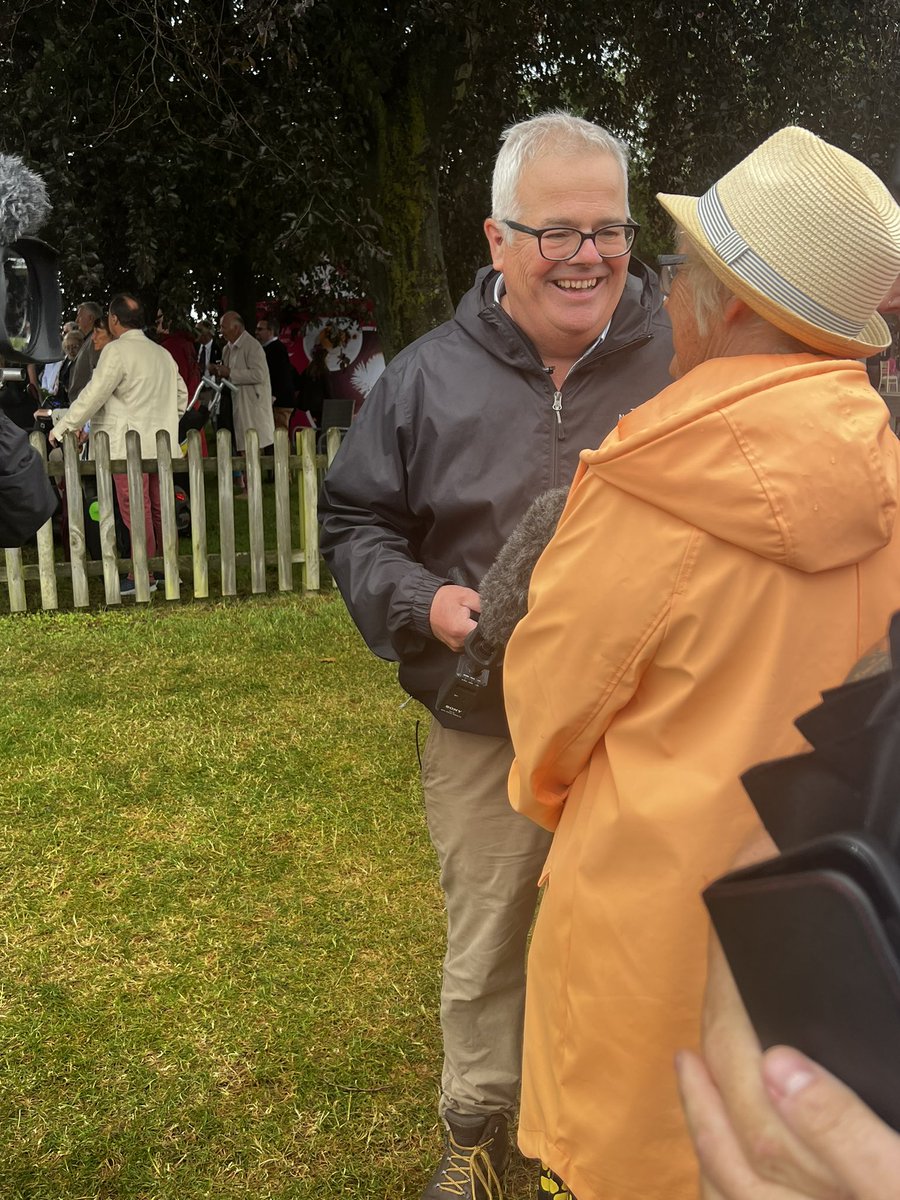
x=457 y=437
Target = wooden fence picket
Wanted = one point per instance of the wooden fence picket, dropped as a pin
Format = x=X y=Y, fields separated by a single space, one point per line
x=107 y=519
x=309 y=508
x=333 y=439
x=139 y=563
x=283 y=511
x=197 y=487
x=298 y=472
x=255 y=512
x=15 y=580
x=226 y=514
x=81 y=596
x=167 y=517
x=49 y=591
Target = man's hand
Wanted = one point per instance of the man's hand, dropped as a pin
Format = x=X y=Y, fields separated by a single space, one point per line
x=857 y=1150
x=54 y=439
x=732 y=1053
x=746 y=1149
x=451 y=614
x=220 y=370
x=861 y=1151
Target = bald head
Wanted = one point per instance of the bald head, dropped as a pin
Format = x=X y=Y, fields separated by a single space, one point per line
x=125 y=312
x=232 y=325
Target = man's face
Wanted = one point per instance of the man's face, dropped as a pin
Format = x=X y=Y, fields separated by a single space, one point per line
x=231 y=331
x=204 y=336
x=563 y=306
x=84 y=320
x=263 y=333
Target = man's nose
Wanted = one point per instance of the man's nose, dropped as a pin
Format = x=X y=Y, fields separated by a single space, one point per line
x=588 y=254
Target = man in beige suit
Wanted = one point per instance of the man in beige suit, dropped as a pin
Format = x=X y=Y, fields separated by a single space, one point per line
x=244 y=363
x=136 y=385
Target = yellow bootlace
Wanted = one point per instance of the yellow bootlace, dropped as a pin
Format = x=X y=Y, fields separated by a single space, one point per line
x=470 y=1166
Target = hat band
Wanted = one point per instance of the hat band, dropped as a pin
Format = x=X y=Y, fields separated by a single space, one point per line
x=733 y=250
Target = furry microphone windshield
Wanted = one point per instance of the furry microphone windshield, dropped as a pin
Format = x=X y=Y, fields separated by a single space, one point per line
x=504 y=589
x=24 y=203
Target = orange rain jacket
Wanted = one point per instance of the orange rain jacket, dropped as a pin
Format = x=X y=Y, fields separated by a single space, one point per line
x=729 y=551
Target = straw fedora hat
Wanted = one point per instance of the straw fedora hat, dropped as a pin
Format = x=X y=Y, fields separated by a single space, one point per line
x=805 y=235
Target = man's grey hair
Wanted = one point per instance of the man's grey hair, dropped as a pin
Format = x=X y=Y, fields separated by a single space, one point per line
x=554 y=132
x=273 y=324
x=709 y=294
x=92 y=307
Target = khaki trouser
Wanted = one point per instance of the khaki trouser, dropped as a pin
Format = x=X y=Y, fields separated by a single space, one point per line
x=491 y=859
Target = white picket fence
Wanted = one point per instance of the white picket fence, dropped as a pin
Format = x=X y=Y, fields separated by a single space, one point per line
x=296 y=483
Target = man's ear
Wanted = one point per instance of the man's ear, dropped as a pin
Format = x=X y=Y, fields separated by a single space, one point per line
x=496 y=241
x=735 y=310
x=891 y=302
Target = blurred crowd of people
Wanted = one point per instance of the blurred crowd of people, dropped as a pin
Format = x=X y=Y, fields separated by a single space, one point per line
x=121 y=371
x=267 y=386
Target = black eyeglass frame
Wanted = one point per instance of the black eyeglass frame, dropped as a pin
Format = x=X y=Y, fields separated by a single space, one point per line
x=585 y=237
x=668 y=268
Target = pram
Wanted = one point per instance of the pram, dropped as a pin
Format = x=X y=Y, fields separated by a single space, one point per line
x=198 y=413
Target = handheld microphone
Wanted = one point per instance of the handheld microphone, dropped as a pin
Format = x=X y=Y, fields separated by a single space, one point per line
x=29 y=292
x=504 y=601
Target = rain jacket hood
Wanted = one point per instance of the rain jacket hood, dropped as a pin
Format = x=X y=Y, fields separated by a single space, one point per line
x=719 y=451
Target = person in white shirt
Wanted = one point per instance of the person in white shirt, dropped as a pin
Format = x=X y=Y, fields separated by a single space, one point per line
x=135 y=385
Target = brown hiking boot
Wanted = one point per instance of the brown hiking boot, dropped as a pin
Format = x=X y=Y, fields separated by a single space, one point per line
x=474 y=1161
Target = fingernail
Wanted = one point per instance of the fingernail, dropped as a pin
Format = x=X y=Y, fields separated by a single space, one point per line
x=787 y=1072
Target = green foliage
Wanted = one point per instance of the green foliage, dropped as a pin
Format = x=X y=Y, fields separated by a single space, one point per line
x=190 y=146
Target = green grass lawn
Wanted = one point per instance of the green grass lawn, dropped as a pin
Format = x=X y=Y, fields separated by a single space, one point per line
x=220 y=926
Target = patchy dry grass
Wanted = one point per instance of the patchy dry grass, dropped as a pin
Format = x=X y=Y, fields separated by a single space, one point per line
x=220 y=927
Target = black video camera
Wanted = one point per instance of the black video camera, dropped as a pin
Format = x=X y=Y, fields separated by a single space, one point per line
x=29 y=303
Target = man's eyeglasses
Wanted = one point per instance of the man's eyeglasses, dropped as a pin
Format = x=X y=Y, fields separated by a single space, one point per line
x=561 y=244
x=668 y=269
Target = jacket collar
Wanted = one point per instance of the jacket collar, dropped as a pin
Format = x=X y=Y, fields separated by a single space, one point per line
x=481 y=315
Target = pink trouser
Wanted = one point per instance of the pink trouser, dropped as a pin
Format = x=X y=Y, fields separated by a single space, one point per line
x=152 y=509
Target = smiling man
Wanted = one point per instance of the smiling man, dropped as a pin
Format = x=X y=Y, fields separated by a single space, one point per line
x=560 y=336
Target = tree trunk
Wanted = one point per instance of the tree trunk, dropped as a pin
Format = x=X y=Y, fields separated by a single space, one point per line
x=240 y=288
x=409 y=285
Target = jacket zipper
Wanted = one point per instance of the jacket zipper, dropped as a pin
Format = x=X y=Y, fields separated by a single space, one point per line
x=557 y=408
x=558 y=397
